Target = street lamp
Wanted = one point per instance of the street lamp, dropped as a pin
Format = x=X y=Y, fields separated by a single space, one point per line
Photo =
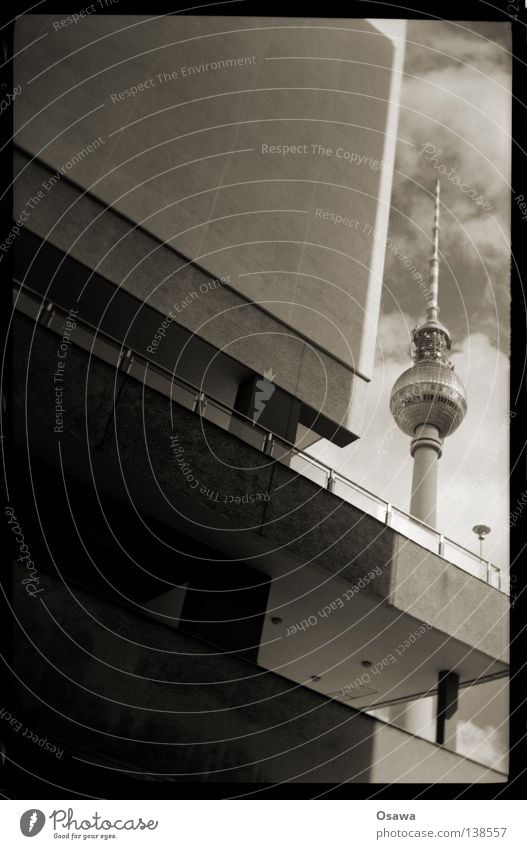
x=481 y=532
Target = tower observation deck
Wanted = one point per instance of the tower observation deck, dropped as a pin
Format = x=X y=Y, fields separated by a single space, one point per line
x=428 y=400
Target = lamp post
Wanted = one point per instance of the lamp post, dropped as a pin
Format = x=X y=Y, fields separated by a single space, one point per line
x=481 y=532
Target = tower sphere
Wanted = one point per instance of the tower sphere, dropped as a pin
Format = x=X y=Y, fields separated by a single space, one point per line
x=428 y=393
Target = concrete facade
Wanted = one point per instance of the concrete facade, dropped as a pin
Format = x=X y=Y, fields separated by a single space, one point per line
x=238 y=724
x=273 y=174
x=312 y=545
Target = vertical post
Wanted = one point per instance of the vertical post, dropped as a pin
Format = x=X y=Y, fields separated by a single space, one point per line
x=126 y=360
x=47 y=314
x=492 y=571
x=199 y=403
x=447 y=701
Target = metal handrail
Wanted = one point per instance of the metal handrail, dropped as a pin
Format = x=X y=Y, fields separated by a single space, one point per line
x=269 y=438
x=359 y=488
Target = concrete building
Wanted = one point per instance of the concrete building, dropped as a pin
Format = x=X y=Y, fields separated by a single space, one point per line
x=202 y=207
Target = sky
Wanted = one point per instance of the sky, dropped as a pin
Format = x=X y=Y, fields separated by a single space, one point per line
x=455 y=112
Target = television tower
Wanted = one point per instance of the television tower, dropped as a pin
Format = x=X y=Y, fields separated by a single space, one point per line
x=428 y=400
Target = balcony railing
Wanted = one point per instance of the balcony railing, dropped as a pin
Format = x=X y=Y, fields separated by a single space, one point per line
x=111 y=350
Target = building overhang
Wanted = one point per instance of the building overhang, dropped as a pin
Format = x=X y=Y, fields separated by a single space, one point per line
x=355 y=610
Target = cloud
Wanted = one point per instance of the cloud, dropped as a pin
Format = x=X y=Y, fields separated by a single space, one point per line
x=393 y=341
x=468 y=117
x=480 y=744
x=457 y=95
x=456 y=98
x=484 y=45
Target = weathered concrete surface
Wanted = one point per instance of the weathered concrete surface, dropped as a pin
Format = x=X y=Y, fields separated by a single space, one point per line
x=450 y=599
x=89 y=385
x=205 y=461
x=189 y=155
x=317 y=526
x=257 y=497
x=82 y=227
x=121 y=689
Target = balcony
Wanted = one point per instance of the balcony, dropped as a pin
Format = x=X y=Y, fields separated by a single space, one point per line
x=151 y=374
x=312 y=540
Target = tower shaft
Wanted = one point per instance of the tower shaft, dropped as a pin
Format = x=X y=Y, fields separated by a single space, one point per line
x=426 y=451
x=426 y=446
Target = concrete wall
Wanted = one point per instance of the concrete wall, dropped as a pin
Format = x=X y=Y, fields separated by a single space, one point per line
x=128 y=427
x=120 y=689
x=454 y=601
x=191 y=159
x=89 y=385
x=82 y=228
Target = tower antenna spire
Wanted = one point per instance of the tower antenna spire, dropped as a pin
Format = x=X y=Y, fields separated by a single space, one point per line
x=428 y=401
x=432 y=310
